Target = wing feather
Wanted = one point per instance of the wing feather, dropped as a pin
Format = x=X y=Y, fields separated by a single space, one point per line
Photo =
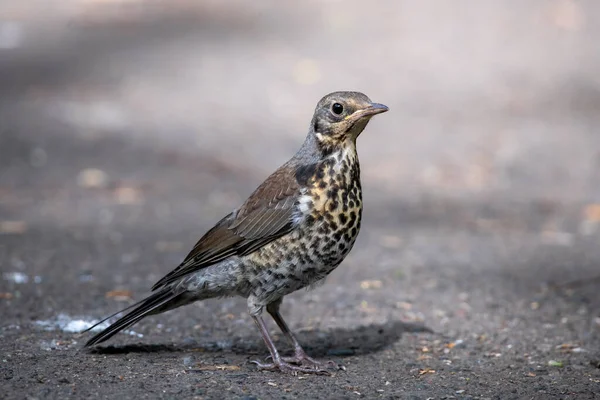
x=267 y=215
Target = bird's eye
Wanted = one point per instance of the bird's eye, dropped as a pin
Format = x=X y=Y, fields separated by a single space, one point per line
x=337 y=108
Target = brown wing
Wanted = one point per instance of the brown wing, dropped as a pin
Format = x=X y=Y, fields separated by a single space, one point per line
x=266 y=215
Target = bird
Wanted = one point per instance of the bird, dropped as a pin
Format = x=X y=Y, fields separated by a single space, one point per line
x=292 y=232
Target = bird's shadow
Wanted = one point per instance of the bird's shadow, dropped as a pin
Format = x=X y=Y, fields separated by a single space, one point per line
x=339 y=342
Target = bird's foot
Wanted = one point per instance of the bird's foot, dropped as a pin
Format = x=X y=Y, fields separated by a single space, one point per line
x=284 y=366
x=302 y=359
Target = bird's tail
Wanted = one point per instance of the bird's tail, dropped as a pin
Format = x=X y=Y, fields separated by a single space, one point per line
x=162 y=300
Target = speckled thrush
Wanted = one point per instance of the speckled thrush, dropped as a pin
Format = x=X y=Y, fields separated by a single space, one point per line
x=296 y=228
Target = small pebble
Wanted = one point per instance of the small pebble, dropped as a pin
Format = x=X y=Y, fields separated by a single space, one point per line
x=92 y=178
x=188 y=361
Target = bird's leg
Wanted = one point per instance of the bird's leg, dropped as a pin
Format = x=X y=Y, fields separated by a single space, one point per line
x=300 y=356
x=278 y=362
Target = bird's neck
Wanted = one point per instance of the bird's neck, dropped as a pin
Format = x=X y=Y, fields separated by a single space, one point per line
x=314 y=149
x=347 y=151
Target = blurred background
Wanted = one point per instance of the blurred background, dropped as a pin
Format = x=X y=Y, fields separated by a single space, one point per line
x=128 y=127
x=487 y=98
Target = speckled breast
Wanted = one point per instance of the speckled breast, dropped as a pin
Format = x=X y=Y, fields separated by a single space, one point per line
x=330 y=209
x=334 y=209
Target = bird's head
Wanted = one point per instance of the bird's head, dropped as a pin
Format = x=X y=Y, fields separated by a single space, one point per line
x=341 y=116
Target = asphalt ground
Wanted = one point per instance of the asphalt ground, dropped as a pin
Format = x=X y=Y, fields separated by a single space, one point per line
x=126 y=133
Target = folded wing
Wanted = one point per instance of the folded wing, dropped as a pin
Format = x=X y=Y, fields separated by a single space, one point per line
x=268 y=214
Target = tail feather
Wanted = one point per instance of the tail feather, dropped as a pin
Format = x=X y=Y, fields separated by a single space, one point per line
x=113 y=315
x=141 y=310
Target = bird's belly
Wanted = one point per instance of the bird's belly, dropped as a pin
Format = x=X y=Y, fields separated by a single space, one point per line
x=302 y=258
x=329 y=225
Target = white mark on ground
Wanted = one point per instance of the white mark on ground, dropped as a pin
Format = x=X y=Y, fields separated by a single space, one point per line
x=20 y=278
x=16 y=277
x=65 y=323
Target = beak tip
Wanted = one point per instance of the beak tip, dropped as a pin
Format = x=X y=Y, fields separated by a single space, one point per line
x=380 y=108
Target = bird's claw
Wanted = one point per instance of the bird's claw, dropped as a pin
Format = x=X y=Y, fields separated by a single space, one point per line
x=300 y=358
x=286 y=367
x=311 y=362
x=300 y=362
